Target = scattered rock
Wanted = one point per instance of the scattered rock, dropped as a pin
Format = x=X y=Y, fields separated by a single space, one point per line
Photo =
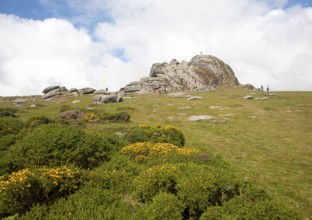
x=72 y=114
x=194 y=98
x=248 y=97
x=262 y=98
x=33 y=106
x=75 y=101
x=186 y=107
x=179 y=95
x=215 y=107
x=200 y=118
x=19 y=101
x=272 y=94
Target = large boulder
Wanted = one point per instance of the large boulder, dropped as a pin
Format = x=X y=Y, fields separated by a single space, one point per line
x=59 y=91
x=107 y=98
x=50 y=88
x=200 y=73
x=86 y=90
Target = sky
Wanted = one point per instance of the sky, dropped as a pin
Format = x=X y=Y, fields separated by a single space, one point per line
x=110 y=43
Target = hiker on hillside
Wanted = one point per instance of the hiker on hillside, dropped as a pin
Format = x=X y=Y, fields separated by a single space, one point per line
x=268 y=89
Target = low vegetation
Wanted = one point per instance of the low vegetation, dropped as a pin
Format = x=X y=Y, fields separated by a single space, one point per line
x=142 y=159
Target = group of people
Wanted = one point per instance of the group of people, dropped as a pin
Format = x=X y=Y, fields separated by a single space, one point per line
x=267 y=88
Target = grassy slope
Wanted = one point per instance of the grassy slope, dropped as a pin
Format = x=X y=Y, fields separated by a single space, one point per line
x=267 y=141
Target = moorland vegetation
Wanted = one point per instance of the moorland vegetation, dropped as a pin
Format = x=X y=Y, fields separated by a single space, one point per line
x=142 y=159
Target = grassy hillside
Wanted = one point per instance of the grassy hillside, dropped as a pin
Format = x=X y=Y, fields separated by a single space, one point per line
x=267 y=142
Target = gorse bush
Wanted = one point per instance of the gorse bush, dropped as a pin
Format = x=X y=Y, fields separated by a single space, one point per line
x=159 y=134
x=10 y=125
x=143 y=152
x=24 y=188
x=38 y=120
x=8 y=112
x=165 y=206
x=244 y=207
x=54 y=145
x=197 y=186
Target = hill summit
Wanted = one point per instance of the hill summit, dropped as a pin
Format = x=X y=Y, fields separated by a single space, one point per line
x=202 y=72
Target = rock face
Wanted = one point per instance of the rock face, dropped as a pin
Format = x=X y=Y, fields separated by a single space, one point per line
x=200 y=73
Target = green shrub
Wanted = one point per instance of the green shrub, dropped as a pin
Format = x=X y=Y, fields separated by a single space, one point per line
x=166 y=134
x=8 y=112
x=165 y=206
x=6 y=141
x=87 y=203
x=24 y=188
x=241 y=208
x=54 y=145
x=197 y=186
x=10 y=125
x=38 y=120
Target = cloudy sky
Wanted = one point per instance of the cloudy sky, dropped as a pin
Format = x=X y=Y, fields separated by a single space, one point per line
x=109 y=43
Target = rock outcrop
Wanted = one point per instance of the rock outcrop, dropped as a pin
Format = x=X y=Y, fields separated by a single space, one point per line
x=58 y=91
x=201 y=72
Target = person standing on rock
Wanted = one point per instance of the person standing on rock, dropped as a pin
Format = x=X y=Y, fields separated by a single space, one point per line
x=268 y=88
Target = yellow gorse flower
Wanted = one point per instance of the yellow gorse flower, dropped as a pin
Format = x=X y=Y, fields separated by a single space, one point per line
x=18 y=177
x=144 y=151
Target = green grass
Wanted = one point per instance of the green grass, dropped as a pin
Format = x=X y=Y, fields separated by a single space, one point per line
x=266 y=141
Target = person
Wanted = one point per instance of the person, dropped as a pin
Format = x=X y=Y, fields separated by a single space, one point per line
x=268 y=88
x=261 y=87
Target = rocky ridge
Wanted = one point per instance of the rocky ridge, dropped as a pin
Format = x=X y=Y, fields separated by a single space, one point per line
x=202 y=72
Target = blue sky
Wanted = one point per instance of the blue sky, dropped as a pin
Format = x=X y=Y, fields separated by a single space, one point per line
x=109 y=43
x=42 y=9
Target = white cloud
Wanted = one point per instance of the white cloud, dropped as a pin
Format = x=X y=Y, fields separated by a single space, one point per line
x=263 y=44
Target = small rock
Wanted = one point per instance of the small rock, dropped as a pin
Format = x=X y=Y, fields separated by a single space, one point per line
x=248 y=97
x=19 y=101
x=200 y=118
x=72 y=114
x=186 y=107
x=262 y=98
x=179 y=95
x=33 y=106
x=75 y=101
x=194 y=98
